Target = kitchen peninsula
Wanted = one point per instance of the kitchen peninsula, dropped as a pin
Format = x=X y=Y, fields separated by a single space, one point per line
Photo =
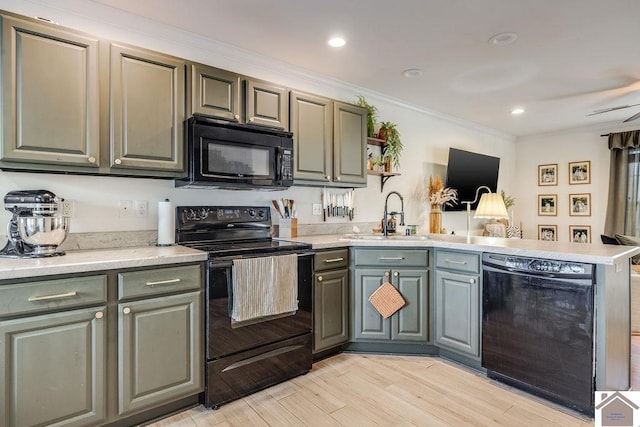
x=453 y=308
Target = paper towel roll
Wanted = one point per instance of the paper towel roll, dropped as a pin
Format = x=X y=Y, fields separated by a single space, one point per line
x=166 y=223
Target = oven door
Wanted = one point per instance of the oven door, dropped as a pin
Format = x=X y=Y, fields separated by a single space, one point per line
x=224 y=340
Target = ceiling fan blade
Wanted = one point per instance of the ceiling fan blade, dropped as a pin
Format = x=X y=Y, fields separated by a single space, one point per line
x=606 y=110
x=635 y=116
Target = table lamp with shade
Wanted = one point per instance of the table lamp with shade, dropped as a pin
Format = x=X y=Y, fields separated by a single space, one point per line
x=491 y=206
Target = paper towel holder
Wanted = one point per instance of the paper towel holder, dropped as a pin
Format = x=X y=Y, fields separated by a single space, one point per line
x=166 y=224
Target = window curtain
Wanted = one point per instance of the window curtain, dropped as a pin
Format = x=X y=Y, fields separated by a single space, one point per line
x=624 y=179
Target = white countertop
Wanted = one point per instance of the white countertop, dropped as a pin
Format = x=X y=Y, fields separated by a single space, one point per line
x=97 y=260
x=593 y=253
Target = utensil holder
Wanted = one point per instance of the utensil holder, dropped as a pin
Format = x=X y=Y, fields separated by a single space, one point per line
x=287 y=227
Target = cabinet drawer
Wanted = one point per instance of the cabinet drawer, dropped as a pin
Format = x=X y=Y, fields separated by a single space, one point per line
x=159 y=281
x=458 y=261
x=391 y=257
x=55 y=294
x=330 y=260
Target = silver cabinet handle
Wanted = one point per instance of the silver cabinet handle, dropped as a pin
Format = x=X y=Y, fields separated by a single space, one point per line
x=338 y=178
x=163 y=282
x=396 y=274
x=99 y=315
x=472 y=280
x=237 y=117
x=56 y=296
x=451 y=261
x=91 y=159
x=319 y=278
x=386 y=274
x=328 y=177
x=391 y=258
x=252 y=119
x=117 y=161
x=126 y=310
x=329 y=261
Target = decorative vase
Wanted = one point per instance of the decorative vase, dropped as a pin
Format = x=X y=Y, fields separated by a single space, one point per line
x=435 y=219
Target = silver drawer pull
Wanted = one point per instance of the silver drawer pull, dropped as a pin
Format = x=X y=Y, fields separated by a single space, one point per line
x=391 y=258
x=163 y=282
x=450 y=261
x=328 y=261
x=50 y=297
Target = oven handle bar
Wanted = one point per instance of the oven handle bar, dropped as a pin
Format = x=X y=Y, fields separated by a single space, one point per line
x=329 y=261
x=163 y=282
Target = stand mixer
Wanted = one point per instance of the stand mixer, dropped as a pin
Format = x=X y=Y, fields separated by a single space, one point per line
x=35 y=229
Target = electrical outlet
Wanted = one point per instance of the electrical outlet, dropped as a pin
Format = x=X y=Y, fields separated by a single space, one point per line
x=125 y=209
x=142 y=208
x=317 y=209
x=66 y=208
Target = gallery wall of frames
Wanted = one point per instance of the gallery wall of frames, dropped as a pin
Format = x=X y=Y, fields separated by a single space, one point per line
x=576 y=203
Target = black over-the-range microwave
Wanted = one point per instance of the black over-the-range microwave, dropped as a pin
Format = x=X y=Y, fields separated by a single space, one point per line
x=232 y=155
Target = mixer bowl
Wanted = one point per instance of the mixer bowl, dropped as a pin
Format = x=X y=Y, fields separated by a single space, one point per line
x=43 y=233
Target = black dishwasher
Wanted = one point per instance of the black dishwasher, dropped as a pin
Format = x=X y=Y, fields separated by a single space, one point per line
x=537 y=327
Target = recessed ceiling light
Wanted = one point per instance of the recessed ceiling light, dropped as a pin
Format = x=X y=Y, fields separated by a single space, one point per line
x=337 y=42
x=503 y=39
x=517 y=111
x=412 y=73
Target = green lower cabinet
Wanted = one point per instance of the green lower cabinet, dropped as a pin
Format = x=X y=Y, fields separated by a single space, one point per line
x=52 y=369
x=160 y=351
x=331 y=309
x=409 y=324
x=457 y=312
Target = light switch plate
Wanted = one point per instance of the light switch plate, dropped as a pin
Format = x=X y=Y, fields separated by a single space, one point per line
x=317 y=209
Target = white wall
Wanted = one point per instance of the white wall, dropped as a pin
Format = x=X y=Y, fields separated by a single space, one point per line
x=562 y=148
x=426 y=135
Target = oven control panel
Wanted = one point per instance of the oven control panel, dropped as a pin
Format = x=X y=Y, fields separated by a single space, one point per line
x=222 y=214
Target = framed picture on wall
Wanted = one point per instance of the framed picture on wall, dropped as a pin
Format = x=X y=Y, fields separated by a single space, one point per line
x=548 y=232
x=580 y=172
x=580 y=204
x=547 y=204
x=548 y=174
x=580 y=233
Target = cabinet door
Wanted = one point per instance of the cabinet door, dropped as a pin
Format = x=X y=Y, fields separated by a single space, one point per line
x=147 y=110
x=160 y=356
x=349 y=144
x=215 y=93
x=330 y=309
x=50 y=95
x=52 y=369
x=368 y=324
x=312 y=127
x=411 y=323
x=266 y=104
x=457 y=312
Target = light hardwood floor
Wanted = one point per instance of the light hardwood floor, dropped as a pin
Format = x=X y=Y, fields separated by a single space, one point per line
x=387 y=390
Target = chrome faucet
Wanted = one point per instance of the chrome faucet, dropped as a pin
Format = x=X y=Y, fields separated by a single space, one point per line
x=386 y=213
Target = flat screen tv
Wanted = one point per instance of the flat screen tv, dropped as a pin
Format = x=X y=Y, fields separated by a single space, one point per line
x=466 y=171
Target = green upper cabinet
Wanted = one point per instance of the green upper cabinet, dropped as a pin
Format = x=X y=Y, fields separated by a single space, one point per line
x=266 y=104
x=50 y=97
x=330 y=141
x=146 y=110
x=349 y=144
x=312 y=127
x=214 y=92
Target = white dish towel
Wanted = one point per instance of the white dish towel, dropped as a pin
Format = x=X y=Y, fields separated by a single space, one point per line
x=264 y=286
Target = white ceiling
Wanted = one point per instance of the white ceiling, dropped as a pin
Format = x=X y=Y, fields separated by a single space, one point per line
x=571 y=56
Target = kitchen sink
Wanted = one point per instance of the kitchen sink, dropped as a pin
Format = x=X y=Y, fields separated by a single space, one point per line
x=414 y=237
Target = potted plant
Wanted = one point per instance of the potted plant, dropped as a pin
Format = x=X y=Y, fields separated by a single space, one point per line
x=372 y=115
x=389 y=132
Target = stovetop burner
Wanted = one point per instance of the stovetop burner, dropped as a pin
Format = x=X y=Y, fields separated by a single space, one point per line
x=225 y=249
x=227 y=231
